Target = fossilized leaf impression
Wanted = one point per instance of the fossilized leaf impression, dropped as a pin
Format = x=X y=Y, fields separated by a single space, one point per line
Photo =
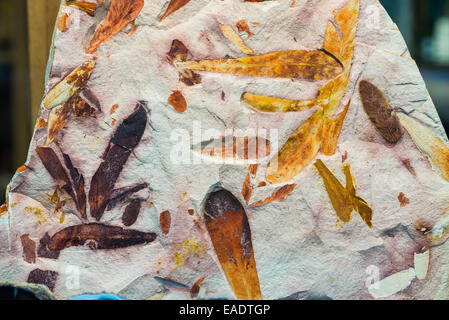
x=230 y=149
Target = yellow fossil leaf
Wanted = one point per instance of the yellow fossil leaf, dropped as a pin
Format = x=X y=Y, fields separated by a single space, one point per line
x=70 y=85
x=435 y=149
x=57 y=120
x=344 y=200
x=297 y=64
x=271 y=104
x=299 y=151
x=88 y=7
x=236 y=39
x=332 y=40
x=331 y=132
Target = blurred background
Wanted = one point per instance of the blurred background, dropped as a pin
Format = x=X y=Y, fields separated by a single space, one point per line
x=26 y=27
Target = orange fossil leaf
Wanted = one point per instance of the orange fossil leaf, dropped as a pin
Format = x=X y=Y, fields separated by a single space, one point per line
x=4 y=208
x=271 y=104
x=173 y=6
x=344 y=200
x=177 y=101
x=279 y=195
x=237 y=148
x=332 y=40
x=247 y=189
x=196 y=287
x=88 y=7
x=297 y=64
x=229 y=230
x=63 y=22
x=242 y=26
x=120 y=14
x=299 y=151
x=236 y=39
x=165 y=221
x=379 y=111
x=22 y=169
x=403 y=200
x=42 y=123
x=331 y=132
x=435 y=149
x=113 y=109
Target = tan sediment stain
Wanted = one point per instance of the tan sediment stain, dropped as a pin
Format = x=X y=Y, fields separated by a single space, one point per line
x=190 y=248
x=344 y=199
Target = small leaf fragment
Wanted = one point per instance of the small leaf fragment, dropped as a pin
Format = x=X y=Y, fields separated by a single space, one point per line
x=88 y=7
x=435 y=149
x=177 y=101
x=279 y=195
x=165 y=222
x=236 y=39
x=331 y=132
x=131 y=212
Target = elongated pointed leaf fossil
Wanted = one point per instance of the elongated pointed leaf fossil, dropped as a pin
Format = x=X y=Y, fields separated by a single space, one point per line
x=69 y=86
x=122 y=144
x=57 y=171
x=237 y=148
x=173 y=6
x=78 y=185
x=331 y=132
x=299 y=151
x=379 y=111
x=344 y=200
x=99 y=237
x=435 y=149
x=297 y=64
x=228 y=227
x=236 y=39
x=330 y=96
x=120 y=14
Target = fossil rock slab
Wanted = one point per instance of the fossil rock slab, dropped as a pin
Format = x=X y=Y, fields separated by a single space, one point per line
x=231 y=149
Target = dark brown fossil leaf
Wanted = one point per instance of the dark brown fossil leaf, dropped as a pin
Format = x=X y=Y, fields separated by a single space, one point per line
x=120 y=195
x=380 y=112
x=179 y=52
x=228 y=227
x=46 y=278
x=43 y=250
x=58 y=173
x=131 y=212
x=122 y=144
x=78 y=181
x=98 y=236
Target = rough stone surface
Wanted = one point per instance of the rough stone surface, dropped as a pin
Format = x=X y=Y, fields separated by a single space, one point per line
x=108 y=208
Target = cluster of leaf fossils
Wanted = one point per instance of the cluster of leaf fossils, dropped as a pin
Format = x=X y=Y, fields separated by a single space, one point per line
x=334 y=63
x=102 y=194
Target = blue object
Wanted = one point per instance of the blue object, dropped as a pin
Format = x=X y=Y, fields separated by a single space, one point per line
x=101 y=296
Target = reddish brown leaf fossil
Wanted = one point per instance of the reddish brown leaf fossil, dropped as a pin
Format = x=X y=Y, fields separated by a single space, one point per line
x=131 y=212
x=98 y=236
x=380 y=113
x=173 y=6
x=120 y=14
x=165 y=221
